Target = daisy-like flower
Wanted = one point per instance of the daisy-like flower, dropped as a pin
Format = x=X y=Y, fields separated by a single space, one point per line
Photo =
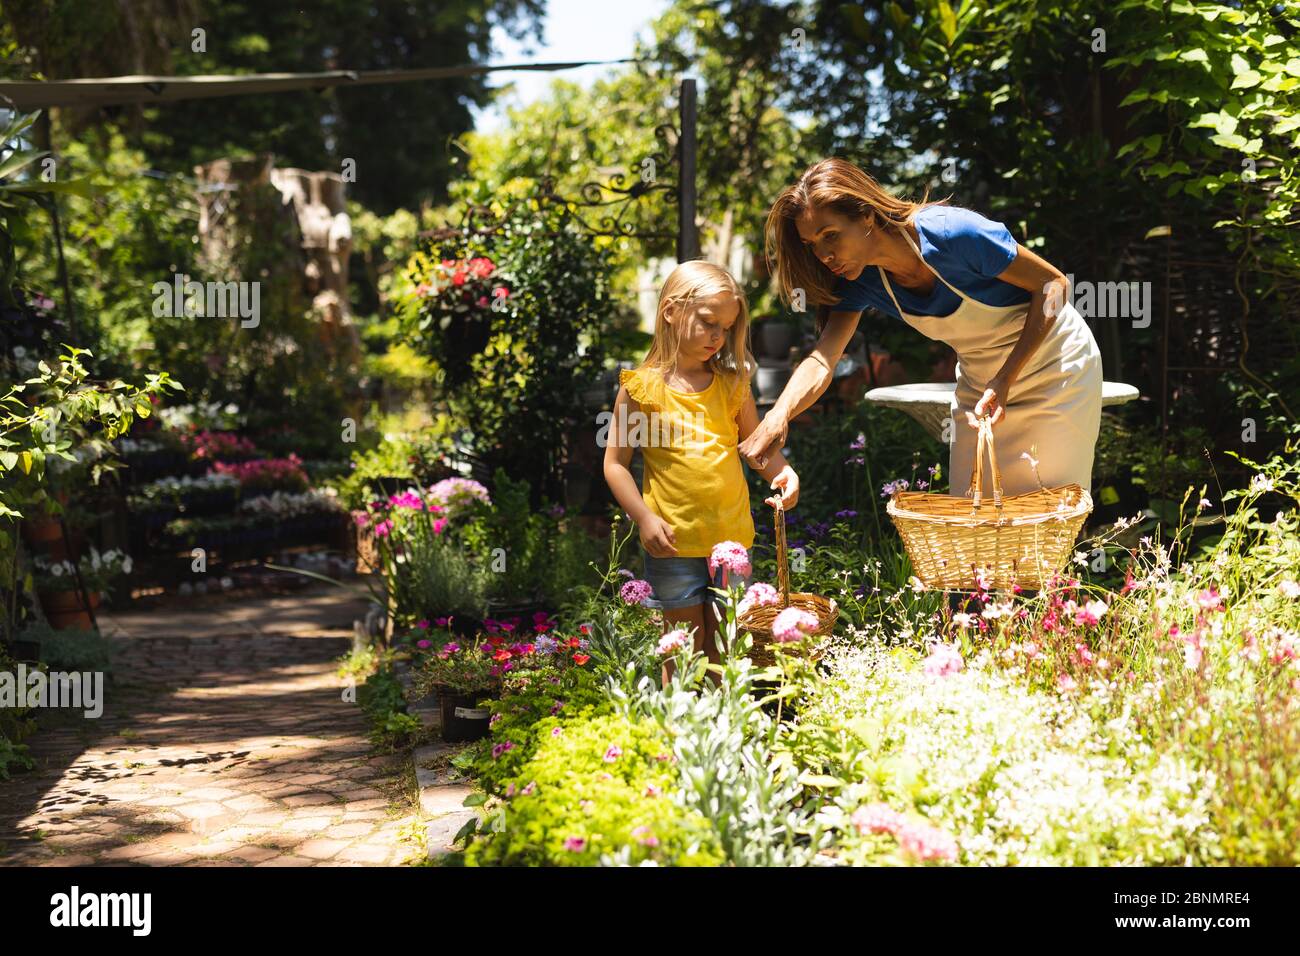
x=793 y=624
x=636 y=591
x=732 y=557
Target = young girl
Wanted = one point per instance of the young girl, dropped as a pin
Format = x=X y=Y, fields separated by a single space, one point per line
x=687 y=406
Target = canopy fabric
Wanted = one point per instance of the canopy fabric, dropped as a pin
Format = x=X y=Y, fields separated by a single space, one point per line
x=122 y=90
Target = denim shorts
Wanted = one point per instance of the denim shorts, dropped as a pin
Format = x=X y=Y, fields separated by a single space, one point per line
x=682 y=582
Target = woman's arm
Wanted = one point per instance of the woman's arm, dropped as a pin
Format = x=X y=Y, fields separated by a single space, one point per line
x=656 y=535
x=1048 y=289
x=806 y=385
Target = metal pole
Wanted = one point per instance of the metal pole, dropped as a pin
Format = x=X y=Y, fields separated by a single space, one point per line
x=688 y=238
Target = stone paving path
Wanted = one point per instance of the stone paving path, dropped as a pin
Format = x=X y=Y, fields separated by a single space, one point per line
x=225 y=741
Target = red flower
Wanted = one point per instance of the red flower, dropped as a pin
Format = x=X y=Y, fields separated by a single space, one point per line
x=573 y=642
x=585 y=629
x=458 y=278
x=502 y=655
x=581 y=659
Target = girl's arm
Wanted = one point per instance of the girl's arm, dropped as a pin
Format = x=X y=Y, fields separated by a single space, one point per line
x=777 y=471
x=656 y=535
x=806 y=385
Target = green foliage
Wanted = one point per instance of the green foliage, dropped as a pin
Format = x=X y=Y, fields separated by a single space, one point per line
x=392 y=728
x=519 y=718
x=597 y=790
x=536 y=350
x=70 y=650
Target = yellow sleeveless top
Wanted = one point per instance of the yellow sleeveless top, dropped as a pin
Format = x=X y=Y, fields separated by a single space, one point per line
x=693 y=474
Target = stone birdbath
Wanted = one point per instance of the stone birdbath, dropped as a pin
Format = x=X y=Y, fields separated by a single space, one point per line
x=930 y=403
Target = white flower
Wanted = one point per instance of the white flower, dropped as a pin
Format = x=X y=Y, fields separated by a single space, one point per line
x=1289 y=589
x=1080 y=558
x=1261 y=484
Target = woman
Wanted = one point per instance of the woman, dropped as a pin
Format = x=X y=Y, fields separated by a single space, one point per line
x=1026 y=358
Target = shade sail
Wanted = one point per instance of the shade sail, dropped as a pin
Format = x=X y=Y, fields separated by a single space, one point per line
x=123 y=90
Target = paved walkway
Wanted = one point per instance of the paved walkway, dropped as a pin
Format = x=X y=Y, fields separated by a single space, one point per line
x=225 y=741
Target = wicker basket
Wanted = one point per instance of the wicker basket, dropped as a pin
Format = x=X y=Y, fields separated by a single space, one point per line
x=1024 y=540
x=758 y=621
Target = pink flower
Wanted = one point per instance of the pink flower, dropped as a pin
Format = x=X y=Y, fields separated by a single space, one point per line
x=643 y=836
x=1210 y=599
x=1065 y=683
x=613 y=753
x=1083 y=655
x=1090 y=613
x=793 y=624
x=925 y=843
x=422 y=623
x=652 y=791
x=876 y=818
x=944 y=661
x=674 y=641
x=422 y=645
x=1286 y=646
x=636 y=591
x=758 y=595
x=501 y=748
x=528 y=790
x=575 y=844
x=732 y=557
x=382 y=528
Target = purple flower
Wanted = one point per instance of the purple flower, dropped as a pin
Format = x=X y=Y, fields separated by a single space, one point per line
x=501 y=748
x=846 y=513
x=636 y=591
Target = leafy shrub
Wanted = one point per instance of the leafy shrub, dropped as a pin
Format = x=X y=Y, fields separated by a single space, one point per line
x=597 y=790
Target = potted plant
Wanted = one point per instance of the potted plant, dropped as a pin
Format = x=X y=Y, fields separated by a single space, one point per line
x=462 y=675
x=56 y=582
x=774 y=336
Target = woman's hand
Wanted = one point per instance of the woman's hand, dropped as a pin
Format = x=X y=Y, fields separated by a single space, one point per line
x=991 y=405
x=788 y=483
x=657 y=537
x=767 y=438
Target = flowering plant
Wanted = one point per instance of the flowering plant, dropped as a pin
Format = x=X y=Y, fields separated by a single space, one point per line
x=98 y=570
x=205 y=445
x=458 y=667
x=266 y=474
x=454 y=300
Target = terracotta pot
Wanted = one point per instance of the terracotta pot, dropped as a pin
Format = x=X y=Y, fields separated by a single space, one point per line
x=64 y=609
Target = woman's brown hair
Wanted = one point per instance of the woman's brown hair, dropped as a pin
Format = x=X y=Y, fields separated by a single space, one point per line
x=839 y=185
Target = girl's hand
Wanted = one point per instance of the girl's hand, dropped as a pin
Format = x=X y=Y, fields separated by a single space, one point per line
x=657 y=537
x=788 y=482
x=990 y=404
x=768 y=437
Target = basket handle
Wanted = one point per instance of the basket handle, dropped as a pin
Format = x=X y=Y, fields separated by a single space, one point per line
x=983 y=441
x=782 y=563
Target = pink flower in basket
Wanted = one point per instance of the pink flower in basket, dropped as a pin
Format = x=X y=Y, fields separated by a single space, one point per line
x=732 y=557
x=793 y=624
x=758 y=595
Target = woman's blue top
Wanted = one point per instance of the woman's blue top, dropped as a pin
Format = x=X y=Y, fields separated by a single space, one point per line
x=963 y=247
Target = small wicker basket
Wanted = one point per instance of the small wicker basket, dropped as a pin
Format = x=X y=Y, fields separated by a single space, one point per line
x=1026 y=540
x=758 y=621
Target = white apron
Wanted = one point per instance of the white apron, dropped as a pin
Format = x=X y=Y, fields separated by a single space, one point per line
x=1054 y=404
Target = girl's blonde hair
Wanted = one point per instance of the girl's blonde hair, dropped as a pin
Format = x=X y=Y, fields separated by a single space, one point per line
x=843 y=187
x=690 y=281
